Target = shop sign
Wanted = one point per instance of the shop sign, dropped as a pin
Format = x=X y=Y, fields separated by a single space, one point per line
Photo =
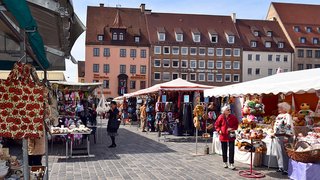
x=198 y=70
x=98 y=76
x=138 y=76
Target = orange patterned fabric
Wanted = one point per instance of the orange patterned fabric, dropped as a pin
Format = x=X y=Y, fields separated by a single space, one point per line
x=21 y=105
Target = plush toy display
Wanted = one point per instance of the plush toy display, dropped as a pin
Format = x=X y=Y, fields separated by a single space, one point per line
x=304 y=116
x=198 y=113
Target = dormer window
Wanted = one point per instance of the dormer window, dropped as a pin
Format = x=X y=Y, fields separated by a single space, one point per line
x=196 y=37
x=269 y=33
x=309 y=29
x=230 y=39
x=253 y=43
x=161 y=36
x=256 y=33
x=121 y=36
x=280 y=45
x=100 y=37
x=214 y=38
x=114 y=36
x=268 y=44
x=315 y=40
x=179 y=37
x=296 y=29
x=137 y=39
x=303 y=40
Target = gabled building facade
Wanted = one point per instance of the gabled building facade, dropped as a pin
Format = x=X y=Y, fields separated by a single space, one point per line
x=265 y=48
x=301 y=25
x=117 y=49
x=204 y=49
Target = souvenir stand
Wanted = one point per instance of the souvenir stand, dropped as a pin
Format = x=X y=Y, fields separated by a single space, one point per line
x=77 y=116
x=264 y=94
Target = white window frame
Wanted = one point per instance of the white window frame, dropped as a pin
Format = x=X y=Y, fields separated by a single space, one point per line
x=202 y=62
x=219 y=49
x=163 y=75
x=161 y=36
x=195 y=62
x=203 y=54
x=187 y=63
x=186 y=74
x=278 y=56
x=234 y=66
x=208 y=62
x=225 y=50
x=208 y=79
x=253 y=43
x=195 y=77
x=179 y=37
x=285 y=58
x=203 y=75
x=175 y=60
x=250 y=55
x=248 y=71
x=268 y=44
x=155 y=49
x=255 y=72
x=280 y=45
x=154 y=62
x=100 y=37
x=212 y=50
x=236 y=50
x=174 y=74
x=182 y=52
x=226 y=63
x=194 y=37
x=258 y=55
x=164 y=49
x=169 y=64
x=217 y=78
x=234 y=76
x=232 y=40
x=269 y=33
x=303 y=40
x=256 y=33
x=214 y=35
x=175 y=53
x=225 y=77
x=195 y=49
x=217 y=67
x=154 y=77
x=137 y=39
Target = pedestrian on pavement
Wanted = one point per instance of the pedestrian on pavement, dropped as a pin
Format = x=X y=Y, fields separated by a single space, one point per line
x=283 y=133
x=226 y=125
x=113 y=123
x=143 y=117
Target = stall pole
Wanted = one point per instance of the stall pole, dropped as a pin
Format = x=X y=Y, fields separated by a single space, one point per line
x=25 y=159
x=46 y=140
x=196 y=141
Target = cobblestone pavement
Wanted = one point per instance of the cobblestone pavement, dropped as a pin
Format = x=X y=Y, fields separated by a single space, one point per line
x=141 y=156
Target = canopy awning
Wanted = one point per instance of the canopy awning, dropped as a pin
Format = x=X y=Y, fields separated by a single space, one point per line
x=174 y=85
x=73 y=86
x=304 y=81
x=57 y=28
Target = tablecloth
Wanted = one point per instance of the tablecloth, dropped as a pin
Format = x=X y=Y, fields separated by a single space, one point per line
x=303 y=171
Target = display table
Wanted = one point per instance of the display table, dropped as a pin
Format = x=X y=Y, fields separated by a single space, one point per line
x=244 y=157
x=66 y=140
x=303 y=171
x=88 y=144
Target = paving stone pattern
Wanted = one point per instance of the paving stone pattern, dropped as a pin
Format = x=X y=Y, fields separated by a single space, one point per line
x=141 y=156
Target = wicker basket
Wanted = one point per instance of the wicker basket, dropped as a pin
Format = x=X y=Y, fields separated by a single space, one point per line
x=311 y=156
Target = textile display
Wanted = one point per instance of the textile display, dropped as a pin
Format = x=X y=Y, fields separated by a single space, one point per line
x=101 y=107
x=21 y=104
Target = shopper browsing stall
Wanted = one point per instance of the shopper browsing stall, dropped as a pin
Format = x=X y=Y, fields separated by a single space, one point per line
x=113 y=123
x=283 y=132
x=143 y=117
x=226 y=125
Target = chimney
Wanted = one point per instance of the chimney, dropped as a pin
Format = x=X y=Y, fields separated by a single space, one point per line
x=101 y=5
x=234 y=17
x=142 y=7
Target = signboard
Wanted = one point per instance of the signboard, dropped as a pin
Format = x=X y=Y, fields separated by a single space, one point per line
x=138 y=76
x=186 y=98
x=100 y=77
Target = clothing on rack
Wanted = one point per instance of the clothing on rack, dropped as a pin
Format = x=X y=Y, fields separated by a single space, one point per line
x=187 y=117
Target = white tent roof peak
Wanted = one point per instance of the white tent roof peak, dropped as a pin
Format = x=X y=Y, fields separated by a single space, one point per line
x=304 y=81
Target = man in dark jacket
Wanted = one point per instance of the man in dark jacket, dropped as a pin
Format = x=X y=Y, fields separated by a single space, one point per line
x=113 y=123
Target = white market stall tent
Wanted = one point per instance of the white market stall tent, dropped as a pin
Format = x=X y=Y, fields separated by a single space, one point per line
x=298 y=82
x=174 y=85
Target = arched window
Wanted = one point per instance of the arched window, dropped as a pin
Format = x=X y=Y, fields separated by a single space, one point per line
x=114 y=36
x=121 y=36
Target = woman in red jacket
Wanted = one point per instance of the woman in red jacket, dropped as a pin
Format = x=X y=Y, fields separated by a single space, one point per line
x=226 y=125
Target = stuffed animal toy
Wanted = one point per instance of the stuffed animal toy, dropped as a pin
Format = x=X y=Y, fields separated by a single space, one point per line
x=304 y=115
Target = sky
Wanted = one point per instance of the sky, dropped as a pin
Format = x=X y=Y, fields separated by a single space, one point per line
x=244 y=9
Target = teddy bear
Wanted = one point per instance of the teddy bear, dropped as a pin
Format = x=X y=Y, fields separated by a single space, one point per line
x=304 y=115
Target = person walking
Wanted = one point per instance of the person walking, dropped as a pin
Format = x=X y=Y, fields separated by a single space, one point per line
x=113 y=123
x=283 y=133
x=226 y=125
x=143 y=117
